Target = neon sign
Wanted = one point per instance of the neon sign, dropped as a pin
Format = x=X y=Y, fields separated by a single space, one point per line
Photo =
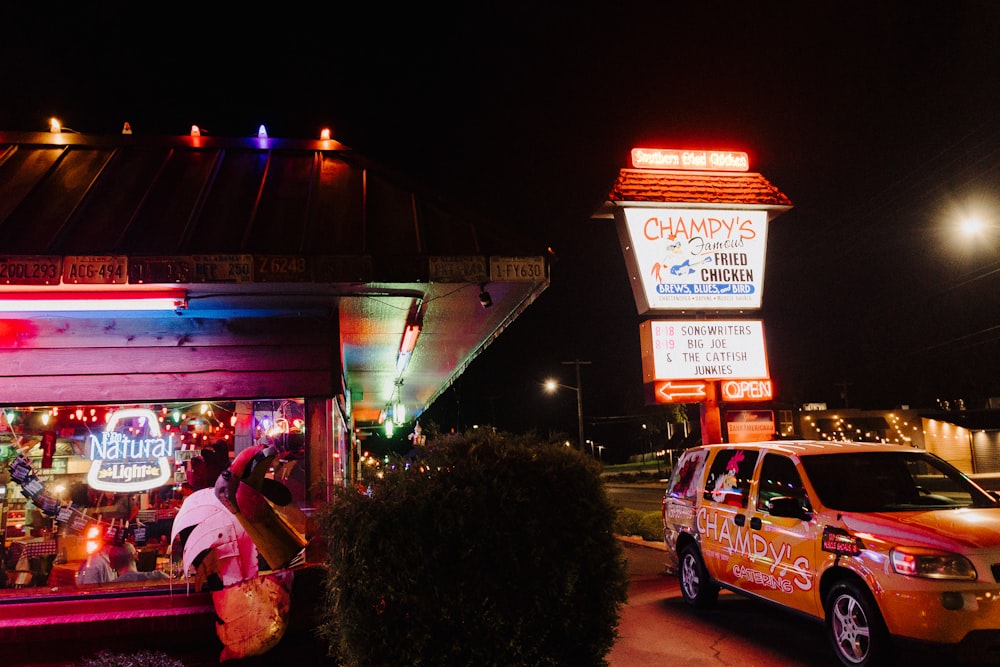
x=131 y=454
x=667 y=158
x=747 y=390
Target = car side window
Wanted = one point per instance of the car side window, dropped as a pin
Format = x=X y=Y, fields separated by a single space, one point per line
x=687 y=475
x=728 y=480
x=780 y=479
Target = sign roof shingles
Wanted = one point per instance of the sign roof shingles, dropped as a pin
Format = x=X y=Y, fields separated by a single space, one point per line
x=647 y=185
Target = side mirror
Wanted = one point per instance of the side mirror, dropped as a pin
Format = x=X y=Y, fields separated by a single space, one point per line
x=785 y=506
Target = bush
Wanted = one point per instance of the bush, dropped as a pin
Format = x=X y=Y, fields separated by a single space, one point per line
x=647 y=525
x=651 y=526
x=627 y=521
x=485 y=551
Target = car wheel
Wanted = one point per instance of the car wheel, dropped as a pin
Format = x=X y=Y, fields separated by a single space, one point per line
x=696 y=586
x=855 y=626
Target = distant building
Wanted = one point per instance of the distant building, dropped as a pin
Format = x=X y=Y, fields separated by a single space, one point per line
x=968 y=439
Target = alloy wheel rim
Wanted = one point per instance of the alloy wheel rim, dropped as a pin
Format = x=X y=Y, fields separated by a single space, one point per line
x=850 y=629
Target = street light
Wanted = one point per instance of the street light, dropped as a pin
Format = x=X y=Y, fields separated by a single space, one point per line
x=551 y=385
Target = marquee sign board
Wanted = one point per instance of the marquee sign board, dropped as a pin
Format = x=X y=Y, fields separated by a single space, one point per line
x=695 y=259
x=703 y=350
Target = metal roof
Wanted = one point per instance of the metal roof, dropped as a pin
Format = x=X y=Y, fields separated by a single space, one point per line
x=318 y=224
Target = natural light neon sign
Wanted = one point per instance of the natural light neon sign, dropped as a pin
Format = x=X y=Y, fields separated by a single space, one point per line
x=129 y=458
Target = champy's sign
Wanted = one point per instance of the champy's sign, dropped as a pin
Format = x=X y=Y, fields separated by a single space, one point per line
x=699 y=259
x=131 y=454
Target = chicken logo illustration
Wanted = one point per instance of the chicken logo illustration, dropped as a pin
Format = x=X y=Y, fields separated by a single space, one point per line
x=673 y=263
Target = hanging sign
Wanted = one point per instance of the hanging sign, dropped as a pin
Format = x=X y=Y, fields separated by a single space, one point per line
x=131 y=454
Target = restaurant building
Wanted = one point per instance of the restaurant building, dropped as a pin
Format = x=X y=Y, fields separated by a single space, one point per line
x=161 y=296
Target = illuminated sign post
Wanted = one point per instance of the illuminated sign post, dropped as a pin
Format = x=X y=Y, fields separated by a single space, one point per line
x=692 y=224
x=131 y=453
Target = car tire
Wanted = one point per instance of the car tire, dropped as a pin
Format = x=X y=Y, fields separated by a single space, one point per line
x=855 y=627
x=696 y=586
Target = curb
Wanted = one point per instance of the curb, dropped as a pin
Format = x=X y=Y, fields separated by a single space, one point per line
x=637 y=540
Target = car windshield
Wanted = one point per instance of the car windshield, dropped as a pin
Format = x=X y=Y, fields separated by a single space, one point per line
x=891 y=482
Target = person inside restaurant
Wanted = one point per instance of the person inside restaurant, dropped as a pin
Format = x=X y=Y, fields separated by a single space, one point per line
x=97 y=568
x=123 y=561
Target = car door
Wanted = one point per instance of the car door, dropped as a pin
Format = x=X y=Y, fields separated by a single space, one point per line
x=780 y=562
x=723 y=508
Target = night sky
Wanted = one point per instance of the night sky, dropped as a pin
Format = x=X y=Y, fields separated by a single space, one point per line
x=878 y=120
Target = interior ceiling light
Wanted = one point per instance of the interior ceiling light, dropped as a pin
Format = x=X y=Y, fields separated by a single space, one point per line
x=62 y=301
x=484 y=297
x=410 y=335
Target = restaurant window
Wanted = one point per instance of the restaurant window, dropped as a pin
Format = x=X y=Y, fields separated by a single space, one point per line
x=88 y=493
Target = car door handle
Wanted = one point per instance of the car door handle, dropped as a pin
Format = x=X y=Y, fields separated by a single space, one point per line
x=740 y=519
x=756 y=523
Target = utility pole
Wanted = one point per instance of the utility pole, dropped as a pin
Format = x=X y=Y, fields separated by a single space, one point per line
x=579 y=396
x=843 y=384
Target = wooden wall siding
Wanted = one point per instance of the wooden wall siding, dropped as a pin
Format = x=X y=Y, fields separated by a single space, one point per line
x=143 y=360
x=140 y=359
x=163 y=387
x=163 y=332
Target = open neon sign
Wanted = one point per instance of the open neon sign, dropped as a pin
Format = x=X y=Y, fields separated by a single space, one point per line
x=131 y=454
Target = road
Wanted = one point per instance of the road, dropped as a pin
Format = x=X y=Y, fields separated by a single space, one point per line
x=657 y=628
x=641 y=497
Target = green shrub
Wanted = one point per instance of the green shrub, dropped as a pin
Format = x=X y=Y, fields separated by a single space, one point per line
x=647 y=525
x=651 y=526
x=627 y=521
x=485 y=551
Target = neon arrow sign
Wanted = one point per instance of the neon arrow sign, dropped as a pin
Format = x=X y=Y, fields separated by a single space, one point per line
x=670 y=392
